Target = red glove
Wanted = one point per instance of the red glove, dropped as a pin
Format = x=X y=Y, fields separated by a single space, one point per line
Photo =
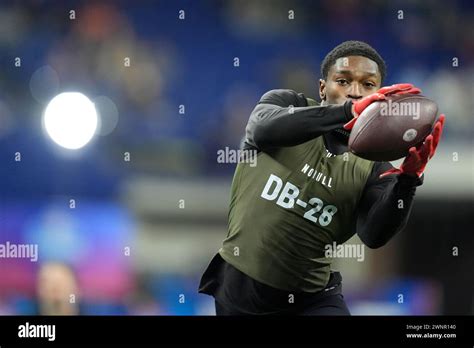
x=360 y=105
x=418 y=157
x=399 y=88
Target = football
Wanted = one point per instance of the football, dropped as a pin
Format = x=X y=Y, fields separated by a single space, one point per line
x=387 y=129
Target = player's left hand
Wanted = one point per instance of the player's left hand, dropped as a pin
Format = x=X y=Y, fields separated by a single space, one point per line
x=418 y=157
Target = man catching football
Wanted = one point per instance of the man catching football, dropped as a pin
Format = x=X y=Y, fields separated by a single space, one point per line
x=308 y=191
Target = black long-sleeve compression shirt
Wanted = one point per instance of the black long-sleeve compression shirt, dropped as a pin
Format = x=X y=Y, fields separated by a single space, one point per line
x=283 y=118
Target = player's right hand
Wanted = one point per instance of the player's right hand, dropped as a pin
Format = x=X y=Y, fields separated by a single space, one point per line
x=361 y=105
x=399 y=88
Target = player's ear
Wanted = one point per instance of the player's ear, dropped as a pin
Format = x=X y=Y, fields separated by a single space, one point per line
x=322 y=89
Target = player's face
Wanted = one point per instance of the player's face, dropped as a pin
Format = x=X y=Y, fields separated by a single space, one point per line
x=350 y=78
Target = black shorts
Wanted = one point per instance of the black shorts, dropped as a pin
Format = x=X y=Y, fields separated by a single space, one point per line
x=238 y=294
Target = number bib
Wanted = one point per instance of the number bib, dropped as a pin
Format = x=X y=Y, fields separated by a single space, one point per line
x=287 y=208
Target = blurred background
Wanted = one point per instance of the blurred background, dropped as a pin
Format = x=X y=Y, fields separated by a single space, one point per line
x=128 y=223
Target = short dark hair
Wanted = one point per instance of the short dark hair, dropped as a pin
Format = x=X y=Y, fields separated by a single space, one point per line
x=352 y=48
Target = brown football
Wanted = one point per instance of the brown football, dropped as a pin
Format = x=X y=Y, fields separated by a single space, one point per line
x=387 y=129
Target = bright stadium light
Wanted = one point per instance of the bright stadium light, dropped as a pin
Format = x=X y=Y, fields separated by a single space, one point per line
x=70 y=119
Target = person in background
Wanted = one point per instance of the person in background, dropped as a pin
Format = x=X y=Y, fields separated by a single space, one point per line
x=57 y=290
